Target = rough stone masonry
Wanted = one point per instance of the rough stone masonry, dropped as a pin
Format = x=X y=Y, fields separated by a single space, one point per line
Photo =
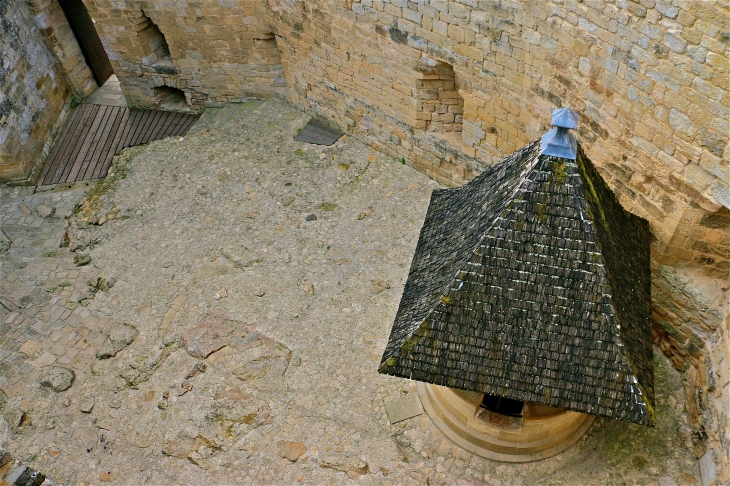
x=452 y=86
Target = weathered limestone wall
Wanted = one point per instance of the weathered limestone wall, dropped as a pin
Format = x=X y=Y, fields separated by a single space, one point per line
x=214 y=52
x=61 y=41
x=32 y=92
x=40 y=65
x=649 y=79
x=717 y=393
x=691 y=314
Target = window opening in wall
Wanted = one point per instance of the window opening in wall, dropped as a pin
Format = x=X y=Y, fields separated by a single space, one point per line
x=154 y=46
x=502 y=405
x=439 y=96
x=169 y=99
x=267 y=60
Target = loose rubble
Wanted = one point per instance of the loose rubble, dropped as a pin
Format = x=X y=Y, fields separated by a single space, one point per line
x=58 y=379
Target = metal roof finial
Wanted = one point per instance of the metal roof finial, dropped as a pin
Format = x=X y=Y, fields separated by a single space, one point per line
x=559 y=142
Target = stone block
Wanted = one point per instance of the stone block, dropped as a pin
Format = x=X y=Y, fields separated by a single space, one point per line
x=683 y=125
x=403 y=408
x=719 y=62
x=708 y=474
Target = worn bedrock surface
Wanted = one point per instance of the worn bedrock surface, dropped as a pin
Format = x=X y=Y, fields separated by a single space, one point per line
x=220 y=334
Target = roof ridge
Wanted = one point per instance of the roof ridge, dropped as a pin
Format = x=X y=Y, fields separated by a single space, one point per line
x=409 y=342
x=626 y=356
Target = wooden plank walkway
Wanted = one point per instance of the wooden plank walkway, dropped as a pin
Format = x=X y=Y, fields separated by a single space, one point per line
x=94 y=133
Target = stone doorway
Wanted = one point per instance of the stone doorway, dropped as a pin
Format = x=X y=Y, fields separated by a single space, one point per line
x=85 y=32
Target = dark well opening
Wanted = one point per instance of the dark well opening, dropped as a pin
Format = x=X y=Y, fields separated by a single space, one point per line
x=502 y=405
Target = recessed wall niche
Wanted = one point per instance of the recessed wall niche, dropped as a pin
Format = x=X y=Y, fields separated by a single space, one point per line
x=439 y=97
x=170 y=99
x=266 y=56
x=154 y=46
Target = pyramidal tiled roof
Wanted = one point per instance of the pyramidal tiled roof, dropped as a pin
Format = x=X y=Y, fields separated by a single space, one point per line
x=531 y=282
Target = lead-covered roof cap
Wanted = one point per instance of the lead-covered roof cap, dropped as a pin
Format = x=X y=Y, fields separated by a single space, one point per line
x=559 y=141
x=531 y=282
x=565 y=118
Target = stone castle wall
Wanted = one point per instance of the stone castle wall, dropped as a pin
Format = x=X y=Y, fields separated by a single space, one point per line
x=453 y=86
x=40 y=66
x=60 y=40
x=213 y=54
x=691 y=317
x=32 y=93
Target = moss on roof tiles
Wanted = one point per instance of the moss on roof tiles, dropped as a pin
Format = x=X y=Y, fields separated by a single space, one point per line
x=531 y=282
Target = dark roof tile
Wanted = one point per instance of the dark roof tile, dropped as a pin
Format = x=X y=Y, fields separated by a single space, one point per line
x=531 y=282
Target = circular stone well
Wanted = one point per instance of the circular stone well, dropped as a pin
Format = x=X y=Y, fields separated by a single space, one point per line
x=540 y=432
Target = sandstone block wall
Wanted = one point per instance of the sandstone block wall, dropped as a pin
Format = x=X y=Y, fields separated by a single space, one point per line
x=32 y=92
x=213 y=51
x=40 y=65
x=691 y=316
x=60 y=40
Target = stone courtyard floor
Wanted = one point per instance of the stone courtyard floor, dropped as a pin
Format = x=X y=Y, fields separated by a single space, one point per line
x=214 y=313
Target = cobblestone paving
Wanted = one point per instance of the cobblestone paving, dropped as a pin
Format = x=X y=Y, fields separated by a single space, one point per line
x=223 y=301
x=40 y=285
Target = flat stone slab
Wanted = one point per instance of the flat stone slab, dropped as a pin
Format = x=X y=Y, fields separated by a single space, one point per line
x=403 y=408
x=318 y=133
x=707 y=469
